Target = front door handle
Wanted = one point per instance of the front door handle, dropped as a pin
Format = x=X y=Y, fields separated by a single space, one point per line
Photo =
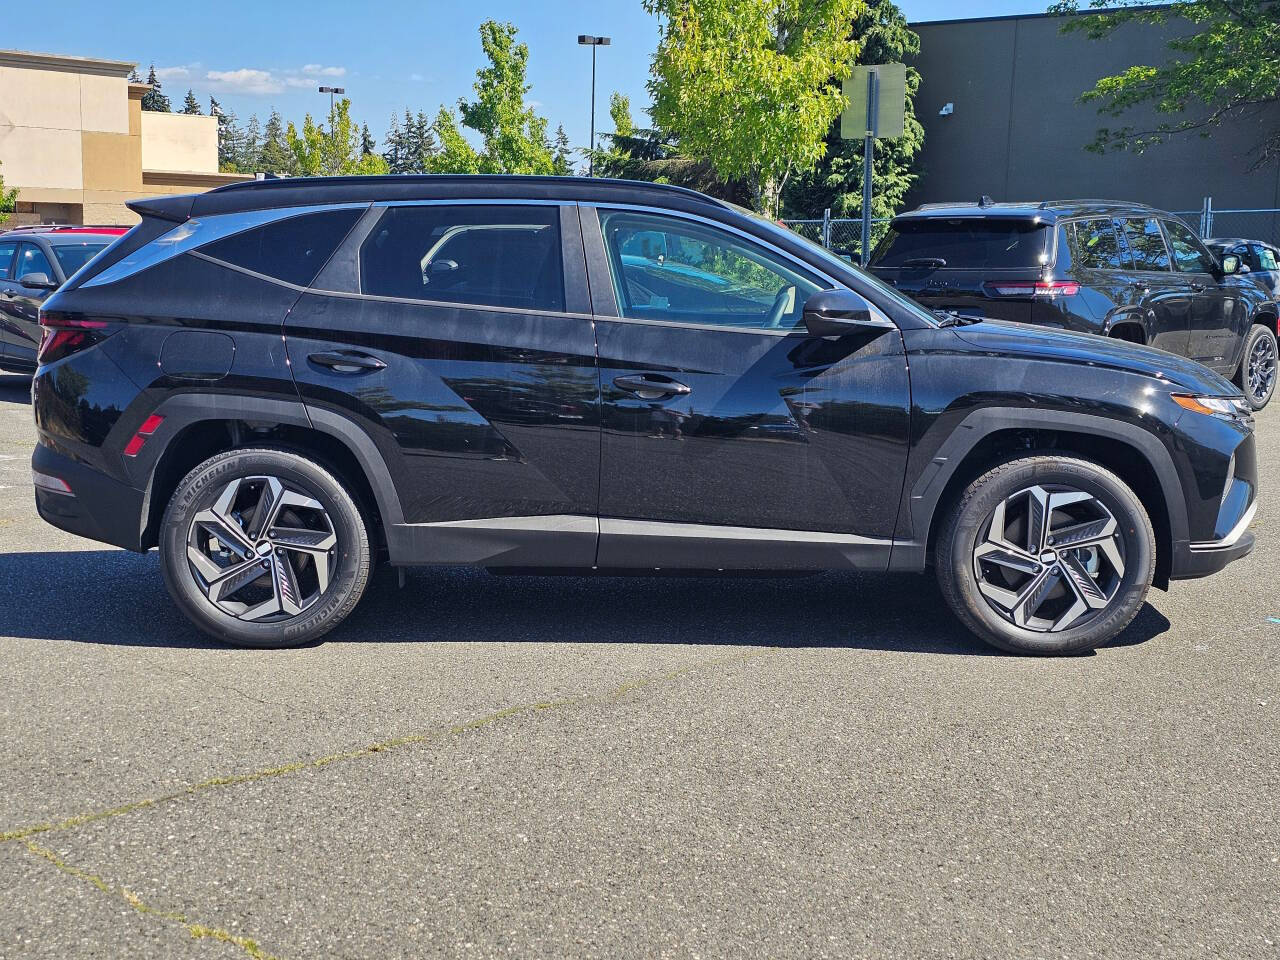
x=652 y=386
x=1198 y=287
x=347 y=361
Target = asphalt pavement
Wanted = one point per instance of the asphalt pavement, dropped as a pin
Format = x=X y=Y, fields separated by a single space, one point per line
x=481 y=766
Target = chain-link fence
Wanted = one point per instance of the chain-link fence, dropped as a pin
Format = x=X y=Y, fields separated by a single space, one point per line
x=844 y=236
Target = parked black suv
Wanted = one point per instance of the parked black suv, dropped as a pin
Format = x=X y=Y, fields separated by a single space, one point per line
x=1120 y=270
x=278 y=382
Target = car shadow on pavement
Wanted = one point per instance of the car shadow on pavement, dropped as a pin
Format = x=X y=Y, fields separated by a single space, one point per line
x=15 y=388
x=118 y=598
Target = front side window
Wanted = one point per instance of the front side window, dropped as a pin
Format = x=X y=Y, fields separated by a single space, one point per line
x=480 y=255
x=292 y=249
x=675 y=270
x=1146 y=243
x=1094 y=245
x=1189 y=256
x=7 y=251
x=31 y=259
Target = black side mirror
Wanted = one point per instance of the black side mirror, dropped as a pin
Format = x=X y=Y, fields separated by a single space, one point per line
x=37 y=281
x=833 y=313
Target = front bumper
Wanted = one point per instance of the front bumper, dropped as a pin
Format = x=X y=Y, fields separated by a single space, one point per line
x=98 y=507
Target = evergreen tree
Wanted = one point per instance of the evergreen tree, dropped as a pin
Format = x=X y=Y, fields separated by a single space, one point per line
x=836 y=182
x=191 y=106
x=561 y=165
x=274 y=156
x=367 y=144
x=249 y=155
x=133 y=75
x=230 y=137
x=153 y=99
x=423 y=142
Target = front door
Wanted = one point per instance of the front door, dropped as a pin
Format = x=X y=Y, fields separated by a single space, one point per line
x=1218 y=313
x=731 y=437
x=1166 y=297
x=8 y=293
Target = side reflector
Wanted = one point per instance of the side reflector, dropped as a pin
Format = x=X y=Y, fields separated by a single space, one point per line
x=149 y=426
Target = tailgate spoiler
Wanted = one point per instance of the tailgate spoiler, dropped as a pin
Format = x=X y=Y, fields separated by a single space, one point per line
x=175 y=209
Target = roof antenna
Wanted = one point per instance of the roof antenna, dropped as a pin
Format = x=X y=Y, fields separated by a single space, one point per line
x=985 y=201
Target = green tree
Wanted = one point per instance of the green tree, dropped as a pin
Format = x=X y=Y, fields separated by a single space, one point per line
x=367 y=144
x=275 y=155
x=561 y=162
x=836 y=182
x=191 y=106
x=1228 y=66
x=153 y=99
x=620 y=114
x=320 y=153
x=230 y=137
x=8 y=200
x=455 y=155
x=515 y=137
x=747 y=85
x=133 y=75
x=249 y=153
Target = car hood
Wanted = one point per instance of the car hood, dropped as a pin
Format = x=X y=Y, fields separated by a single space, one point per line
x=1064 y=346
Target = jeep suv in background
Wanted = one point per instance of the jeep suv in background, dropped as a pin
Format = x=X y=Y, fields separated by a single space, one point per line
x=279 y=383
x=1115 y=269
x=34 y=261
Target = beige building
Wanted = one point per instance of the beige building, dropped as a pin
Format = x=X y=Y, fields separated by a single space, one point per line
x=76 y=143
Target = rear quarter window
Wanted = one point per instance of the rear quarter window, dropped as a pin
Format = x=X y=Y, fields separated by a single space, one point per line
x=292 y=249
x=967 y=243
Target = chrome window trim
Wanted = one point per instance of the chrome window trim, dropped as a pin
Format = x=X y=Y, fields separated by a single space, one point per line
x=481 y=307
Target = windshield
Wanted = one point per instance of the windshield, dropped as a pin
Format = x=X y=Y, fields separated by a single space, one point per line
x=841 y=266
x=73 y=256
x=967 y=243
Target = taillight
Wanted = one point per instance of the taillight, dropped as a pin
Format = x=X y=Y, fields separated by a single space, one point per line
x=1026 y=288
x=63 y=334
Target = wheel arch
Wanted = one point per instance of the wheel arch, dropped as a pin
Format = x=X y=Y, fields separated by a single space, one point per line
x=1123 y=322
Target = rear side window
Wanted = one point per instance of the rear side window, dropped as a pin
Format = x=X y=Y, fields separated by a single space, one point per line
x=1094 y=245
x=6 y=259
x=965 y=242
x=1146 y=244
x=483 y=255
x=293 y=249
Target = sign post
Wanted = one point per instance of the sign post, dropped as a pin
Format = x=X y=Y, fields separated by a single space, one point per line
x=877 y=98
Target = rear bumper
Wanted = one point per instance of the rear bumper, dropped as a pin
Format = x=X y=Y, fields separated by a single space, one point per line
x=98 y=507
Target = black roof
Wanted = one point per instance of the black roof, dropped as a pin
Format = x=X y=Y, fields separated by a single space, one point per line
x=1048 y=211
x=1229 y=241
x=304 y=191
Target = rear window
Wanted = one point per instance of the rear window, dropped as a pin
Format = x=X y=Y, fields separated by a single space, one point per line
x=292 y=250
x=483 y=255
x=965 y=243
x=73 y=257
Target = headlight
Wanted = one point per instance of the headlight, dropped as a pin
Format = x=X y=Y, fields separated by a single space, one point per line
x=1225 y=408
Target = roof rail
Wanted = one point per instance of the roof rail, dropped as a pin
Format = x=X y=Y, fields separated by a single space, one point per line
x=66 y=227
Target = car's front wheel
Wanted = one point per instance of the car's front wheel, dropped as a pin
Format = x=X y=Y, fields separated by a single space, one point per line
x=1258 y=368
x=264 y=548
x=1046 y=555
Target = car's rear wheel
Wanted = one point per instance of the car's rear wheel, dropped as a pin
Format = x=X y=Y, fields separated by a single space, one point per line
x=1258 y=368
x=264 y=548
x=1046 y=555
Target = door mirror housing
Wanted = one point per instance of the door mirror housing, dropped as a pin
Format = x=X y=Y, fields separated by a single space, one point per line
x=1231 y=265
x=834 y=313
x=37 y=281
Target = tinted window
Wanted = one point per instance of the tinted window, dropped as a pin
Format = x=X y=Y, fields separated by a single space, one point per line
x=486 y=255
x=6 y=259
x=71 y=257
x=1146 y=244
x=666 y=268
x=292 y=250
x=1188 y=255
x=1094 y=245
x=31 y=259
x=966 y=243
x=1265 y=258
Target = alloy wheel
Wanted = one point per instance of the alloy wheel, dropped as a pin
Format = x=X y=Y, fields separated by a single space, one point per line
x=1052 y=558
x=1261 y=368
x=264 y=551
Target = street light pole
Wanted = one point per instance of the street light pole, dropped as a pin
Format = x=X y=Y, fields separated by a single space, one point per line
x=586 y=40
x=333 y=137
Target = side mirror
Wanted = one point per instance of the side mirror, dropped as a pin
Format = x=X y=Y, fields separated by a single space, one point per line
x=1231 y=264
x=834 y=313
x=37 y=281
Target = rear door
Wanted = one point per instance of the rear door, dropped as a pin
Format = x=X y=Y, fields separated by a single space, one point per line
x=732 y=438
x=1219 y=316
x=8 y=319
x=458 y=336
x=1165 y=297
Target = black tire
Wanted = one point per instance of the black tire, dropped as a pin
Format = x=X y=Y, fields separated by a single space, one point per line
x=1259 y=342
x=349 y=562
x=970 y=519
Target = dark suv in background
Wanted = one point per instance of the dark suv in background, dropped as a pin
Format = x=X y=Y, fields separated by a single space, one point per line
x=1115 y=269
x=279 y=382
x=35 y=261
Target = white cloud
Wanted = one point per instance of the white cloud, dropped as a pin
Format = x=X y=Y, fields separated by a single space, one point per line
x=316 y=70
x=250 y=81
x=168 y=74
x=245 y=80
x=417 y=78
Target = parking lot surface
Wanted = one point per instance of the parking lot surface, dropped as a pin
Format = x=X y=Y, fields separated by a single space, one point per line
x=507 y=766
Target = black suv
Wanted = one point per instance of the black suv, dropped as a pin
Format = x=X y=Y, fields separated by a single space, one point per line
x=34 y=261
x=1120 y=270
x=279 y=382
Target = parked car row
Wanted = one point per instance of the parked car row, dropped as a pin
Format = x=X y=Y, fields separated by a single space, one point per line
x=277 y=383
x=1118 y=270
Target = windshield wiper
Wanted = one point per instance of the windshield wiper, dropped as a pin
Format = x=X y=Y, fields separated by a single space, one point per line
x=948 y=318
x=924 y=262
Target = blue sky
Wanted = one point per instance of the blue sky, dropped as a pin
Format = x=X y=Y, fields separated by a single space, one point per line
x=389 y=54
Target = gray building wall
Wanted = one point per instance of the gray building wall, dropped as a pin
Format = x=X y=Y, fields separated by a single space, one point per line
x=1018 y=132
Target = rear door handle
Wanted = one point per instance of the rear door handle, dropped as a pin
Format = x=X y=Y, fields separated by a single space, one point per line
x=652 y=386
x=347 y=361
